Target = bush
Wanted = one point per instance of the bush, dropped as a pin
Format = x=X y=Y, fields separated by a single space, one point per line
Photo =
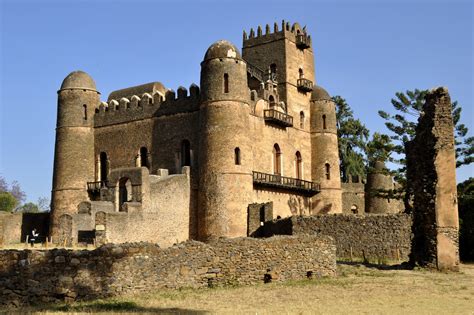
x=7 y=201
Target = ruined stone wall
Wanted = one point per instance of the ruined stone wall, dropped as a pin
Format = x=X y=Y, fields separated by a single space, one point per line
x=431 y=178
x=353 y=195
x=374 y=237
x=164 y=220
x=32 y=277
x=10 y=228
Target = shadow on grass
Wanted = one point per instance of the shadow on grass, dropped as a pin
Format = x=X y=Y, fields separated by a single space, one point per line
x=402 y=266
x=113 y=307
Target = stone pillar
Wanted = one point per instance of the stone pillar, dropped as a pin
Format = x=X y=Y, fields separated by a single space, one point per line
x=431 y=175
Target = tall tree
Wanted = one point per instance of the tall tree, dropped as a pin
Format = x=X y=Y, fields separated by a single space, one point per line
x=402 y=125
x=352 y=137
x=14 y=189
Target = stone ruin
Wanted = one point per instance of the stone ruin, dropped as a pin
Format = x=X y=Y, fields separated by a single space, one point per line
x=431 y=177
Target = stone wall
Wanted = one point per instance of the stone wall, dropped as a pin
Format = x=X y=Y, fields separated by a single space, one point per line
x=373 y=237
x=14 y=227
x=32 y=277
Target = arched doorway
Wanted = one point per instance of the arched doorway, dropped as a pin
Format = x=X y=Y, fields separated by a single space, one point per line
x=104 y=167
x=299 y=165
x=185 y=153
x=125 y=192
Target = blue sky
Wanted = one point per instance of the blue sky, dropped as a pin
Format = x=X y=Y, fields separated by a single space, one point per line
x=365 y=51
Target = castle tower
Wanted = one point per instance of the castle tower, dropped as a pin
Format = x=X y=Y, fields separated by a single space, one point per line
x=74 y=147
x=225 y=177
x=324 y=153
x=379 y=179
x=287 y=54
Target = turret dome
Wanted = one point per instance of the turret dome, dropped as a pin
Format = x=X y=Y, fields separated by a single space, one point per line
x=319 y=94
x=222 y=49
x=78 y=80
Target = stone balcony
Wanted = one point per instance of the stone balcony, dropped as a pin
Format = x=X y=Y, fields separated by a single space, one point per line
x=278 y=118
x=303 y=41
x=285 y=183
x=304 y=85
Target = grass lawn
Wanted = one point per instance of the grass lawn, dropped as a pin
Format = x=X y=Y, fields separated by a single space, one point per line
x=357 y=290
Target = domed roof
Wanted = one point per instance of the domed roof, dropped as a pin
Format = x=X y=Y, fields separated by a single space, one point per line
x=222 y=49
x=379 y=166
x=78 y=80
x=319 y=94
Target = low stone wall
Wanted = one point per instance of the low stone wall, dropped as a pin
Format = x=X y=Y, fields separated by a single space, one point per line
x=31 y=277
x=375 y=237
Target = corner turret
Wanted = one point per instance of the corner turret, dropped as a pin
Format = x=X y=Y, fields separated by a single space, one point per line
x=325 y=153
x=225 y=177
x=74 y=150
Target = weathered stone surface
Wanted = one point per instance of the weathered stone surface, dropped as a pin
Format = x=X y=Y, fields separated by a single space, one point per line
x=142 y=267
x=431 y=177
x=376 y=237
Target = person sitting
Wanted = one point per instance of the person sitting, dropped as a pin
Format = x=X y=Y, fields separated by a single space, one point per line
x=34 y=235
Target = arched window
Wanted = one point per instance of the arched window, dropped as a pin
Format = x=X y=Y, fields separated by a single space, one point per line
x=324 y=121
x=299 y=165
x=104 y=167
x=237 y=156
x=273 y=72
x=262 y=216
x=185 y=153
x=301 y=74
x=354 y=209
x=271 y=100
x=328 y=170
x=85 y=111
x=125 y=192
x=276 y=159
x=144 y=157
x=302 y=120
x=226 y=83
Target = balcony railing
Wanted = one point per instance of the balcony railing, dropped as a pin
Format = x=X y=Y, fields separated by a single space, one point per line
x=285 y=183
x=304 y=85
x=277 y=117
x=94 y=187
x=303 y=41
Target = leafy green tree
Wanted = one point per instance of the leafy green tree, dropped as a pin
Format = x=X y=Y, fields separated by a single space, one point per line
x=28 y=207
x=379 y=148
x=7 y=201
x=402 y=125
x=352 y=135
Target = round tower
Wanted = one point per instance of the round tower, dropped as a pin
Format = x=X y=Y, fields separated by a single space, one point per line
x=325 y=153
x=379 y=180
x=225 y=155
x=74 y=147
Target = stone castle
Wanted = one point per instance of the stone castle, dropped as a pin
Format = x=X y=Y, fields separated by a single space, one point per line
x=256 y=141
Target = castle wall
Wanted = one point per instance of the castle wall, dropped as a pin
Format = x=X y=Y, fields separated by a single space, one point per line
x=163 y=219
x=290 y=140
x=38 y=277
x=375 y=238
x=353 y=198
x=10 y=228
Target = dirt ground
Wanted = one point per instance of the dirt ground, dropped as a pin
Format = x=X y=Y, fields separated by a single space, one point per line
x=358 y=289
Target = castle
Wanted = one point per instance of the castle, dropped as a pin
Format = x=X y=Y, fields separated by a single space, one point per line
x=256 y=141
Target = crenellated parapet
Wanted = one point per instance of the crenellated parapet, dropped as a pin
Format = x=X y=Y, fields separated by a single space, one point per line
x=294 y=33
x=146 y=105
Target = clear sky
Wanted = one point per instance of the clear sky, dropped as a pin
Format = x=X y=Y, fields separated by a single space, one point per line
x=364 y=51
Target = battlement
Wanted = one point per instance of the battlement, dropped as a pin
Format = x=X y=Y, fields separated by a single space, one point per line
x=144 y=106
x=295 y=33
